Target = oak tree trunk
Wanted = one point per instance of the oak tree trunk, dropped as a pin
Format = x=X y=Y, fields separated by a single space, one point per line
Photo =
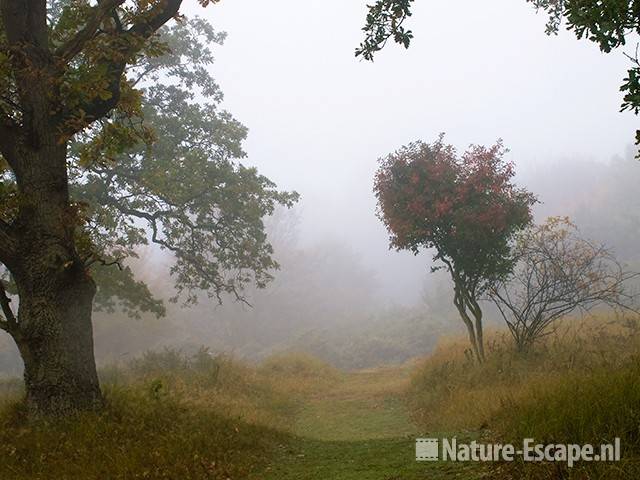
x=44 y=111
x=53 y=328
x=56 y=345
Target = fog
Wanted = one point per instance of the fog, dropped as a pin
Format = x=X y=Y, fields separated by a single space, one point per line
x=319 y=119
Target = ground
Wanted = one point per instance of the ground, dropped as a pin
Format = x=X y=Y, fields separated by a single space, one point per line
x=360 y=430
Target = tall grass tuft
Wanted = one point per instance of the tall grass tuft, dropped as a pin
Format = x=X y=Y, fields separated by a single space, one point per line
x=580 y=385
x=591 y=407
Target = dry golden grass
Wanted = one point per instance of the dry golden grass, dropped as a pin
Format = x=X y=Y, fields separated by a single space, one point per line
x=449 y=390
x=268 y=394
x=167 y=416
x=580 y=385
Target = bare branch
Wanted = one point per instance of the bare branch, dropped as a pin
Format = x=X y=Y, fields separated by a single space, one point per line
x=558 y=273
x=95 y=258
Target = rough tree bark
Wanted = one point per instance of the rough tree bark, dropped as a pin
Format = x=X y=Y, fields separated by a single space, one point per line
x=52 y=327
x=56 y=344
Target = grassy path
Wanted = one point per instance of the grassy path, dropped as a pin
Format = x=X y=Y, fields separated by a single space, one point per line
x=359 y=430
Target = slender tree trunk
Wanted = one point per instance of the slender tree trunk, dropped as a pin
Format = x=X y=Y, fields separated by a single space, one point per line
x=477 y=313
x=474 y=337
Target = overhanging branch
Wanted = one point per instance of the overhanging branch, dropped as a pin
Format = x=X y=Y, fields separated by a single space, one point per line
x=142 y=29
x=75 y=45
x=218 y=283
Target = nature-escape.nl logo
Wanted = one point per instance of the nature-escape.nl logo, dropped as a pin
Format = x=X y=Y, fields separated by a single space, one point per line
x=429 y=449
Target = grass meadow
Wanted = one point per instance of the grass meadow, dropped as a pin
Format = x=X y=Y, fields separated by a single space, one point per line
x=174 y=416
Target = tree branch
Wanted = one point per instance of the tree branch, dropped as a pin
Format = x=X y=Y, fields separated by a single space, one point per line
x=75 y=44
x=10 y=323
x=155 y=18
x=143 y=29
x=218 y=283
x=95 y=258
x=384 y=21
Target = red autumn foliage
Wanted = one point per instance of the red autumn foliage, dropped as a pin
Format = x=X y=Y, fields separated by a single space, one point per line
x=465 y=206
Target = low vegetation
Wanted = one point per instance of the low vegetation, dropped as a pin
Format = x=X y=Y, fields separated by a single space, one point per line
x=204 y=416
x=580 y=385
x=168 y=415
x=139 y=434
x=588 y=408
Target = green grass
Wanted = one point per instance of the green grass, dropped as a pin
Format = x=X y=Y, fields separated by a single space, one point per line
x=379 y=459
x=360 y=406
x=354 y=420
x=359 y=429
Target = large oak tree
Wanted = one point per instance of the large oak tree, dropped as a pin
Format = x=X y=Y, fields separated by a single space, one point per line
x=111 y=136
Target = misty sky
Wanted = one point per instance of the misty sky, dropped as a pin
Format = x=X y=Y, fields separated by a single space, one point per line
x=319 y=118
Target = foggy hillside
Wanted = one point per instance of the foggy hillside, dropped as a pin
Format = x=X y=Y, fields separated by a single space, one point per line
x=327 y=300
x=319 y=240
x=318 y=120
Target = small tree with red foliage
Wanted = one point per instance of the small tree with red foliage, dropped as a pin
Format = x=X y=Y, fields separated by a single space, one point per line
x=465 y=206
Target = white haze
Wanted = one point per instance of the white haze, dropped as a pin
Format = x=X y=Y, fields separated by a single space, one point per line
x=319 y=118
x=318 y=121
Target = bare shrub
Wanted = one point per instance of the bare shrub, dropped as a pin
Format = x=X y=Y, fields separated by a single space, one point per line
x=557 y=273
